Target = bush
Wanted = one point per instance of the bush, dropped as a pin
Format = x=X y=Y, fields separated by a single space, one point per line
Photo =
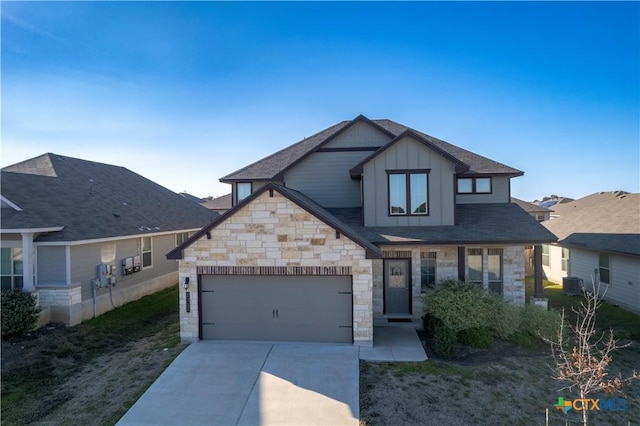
x=461 y=306
x=430 y=323
x=19 y=312
x=539 y=323
x=446 y=343
x=479 y=337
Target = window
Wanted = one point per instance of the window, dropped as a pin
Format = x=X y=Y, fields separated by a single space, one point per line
x=181 y=238
x=243 y=190
x=11 y=268
x=478 y=185
x=565 y=259
x=494 y=262
x=474 y=262
x=408 y=193
x=545 y=255
x=147 y=254
x=427 y=270
x=604 y=268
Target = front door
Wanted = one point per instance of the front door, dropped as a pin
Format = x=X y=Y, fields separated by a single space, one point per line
x=397 y=286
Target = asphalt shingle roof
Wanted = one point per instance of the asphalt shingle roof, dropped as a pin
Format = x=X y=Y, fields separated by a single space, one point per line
x=498 y=223
x=606 y=221
x=274 y=165
x=92 y=200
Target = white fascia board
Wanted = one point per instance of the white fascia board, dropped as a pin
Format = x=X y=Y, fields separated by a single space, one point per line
x=32 y=230
x=120 y=238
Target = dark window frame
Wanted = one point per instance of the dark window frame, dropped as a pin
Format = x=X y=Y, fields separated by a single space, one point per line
x=407 y=174
x=495 y=285
x=475 y=251
x=235 y=195
x=474 y=189
x=606 y=276
x=428 y=262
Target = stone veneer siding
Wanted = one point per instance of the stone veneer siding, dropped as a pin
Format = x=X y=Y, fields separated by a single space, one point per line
x=277 y=235
x=447 y=267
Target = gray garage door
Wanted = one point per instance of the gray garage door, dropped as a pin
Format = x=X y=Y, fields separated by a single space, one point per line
x=287 y=308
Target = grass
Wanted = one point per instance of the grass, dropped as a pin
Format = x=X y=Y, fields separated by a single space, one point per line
x=29 y=385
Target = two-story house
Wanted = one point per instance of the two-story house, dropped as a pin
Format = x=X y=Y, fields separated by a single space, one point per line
x=349 y=226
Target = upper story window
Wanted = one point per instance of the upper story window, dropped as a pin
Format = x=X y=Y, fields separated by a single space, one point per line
x=476 y=185
x=408 y=192
x=181 y=238
x=243 y=190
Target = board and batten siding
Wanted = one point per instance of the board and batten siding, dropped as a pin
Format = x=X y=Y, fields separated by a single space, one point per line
x=500 y=193
x=409 y=154
x=52 y=266
x=357 y=136
x=324 y=177
x=624 y=287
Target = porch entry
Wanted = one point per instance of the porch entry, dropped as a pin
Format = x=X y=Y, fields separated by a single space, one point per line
x=397 y=286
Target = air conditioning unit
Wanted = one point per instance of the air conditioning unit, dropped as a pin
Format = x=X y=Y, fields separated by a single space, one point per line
x=572 y=286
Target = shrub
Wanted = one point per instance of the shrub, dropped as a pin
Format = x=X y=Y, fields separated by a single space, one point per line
x=430 y=323
x=19 y=312
x=539 y=323
x=461 y=306
x=446 y=343
x=479 y=337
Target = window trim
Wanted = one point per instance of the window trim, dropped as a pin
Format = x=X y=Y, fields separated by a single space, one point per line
x=237 y=200
x=495 y=252
x=471 y=251
x=425 y=259
x=564 y=261
x=16 y=278
x=474 y=185
x=184 y=236
x=407 y=174
x=545 y=255
x=608 y=268
x=142 y=252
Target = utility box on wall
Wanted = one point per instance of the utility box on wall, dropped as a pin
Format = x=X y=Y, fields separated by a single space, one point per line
x=107 y=274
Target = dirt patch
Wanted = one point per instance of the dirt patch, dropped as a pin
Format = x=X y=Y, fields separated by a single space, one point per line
x=506 y=385
x=98 y=391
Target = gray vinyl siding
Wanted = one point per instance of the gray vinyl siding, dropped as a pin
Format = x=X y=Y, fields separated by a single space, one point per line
x=324 y=177
x=359 y=135
x=86 y=258
x=500 y=193
x=52 y=265
x=624 y=287
x=409 y=154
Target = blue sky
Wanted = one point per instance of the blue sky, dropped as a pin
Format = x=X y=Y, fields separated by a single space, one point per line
x=184 y=93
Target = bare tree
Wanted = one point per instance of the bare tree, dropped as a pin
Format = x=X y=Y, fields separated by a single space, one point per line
x=582 y=355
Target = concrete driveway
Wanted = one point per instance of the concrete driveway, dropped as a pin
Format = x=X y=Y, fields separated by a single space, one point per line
x=254 y=383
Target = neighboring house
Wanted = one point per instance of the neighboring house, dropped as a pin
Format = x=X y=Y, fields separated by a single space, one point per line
x=349 y=226
x=193 y=198
x=598 y=238
x=540 y=213
x=87 y=236
x=220 y=204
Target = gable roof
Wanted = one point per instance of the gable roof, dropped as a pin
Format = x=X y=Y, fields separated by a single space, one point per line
x=530 y=207
x=297 y=198
x=356 y=171
x=604 y=221
x=90 y=200
x=221 y=203
x=275 y=165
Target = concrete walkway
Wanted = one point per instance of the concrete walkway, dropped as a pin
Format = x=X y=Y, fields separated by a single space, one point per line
x=394 y=344
x=251 y=383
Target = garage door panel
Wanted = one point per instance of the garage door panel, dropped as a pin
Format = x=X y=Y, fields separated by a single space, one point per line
x=288 y=308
